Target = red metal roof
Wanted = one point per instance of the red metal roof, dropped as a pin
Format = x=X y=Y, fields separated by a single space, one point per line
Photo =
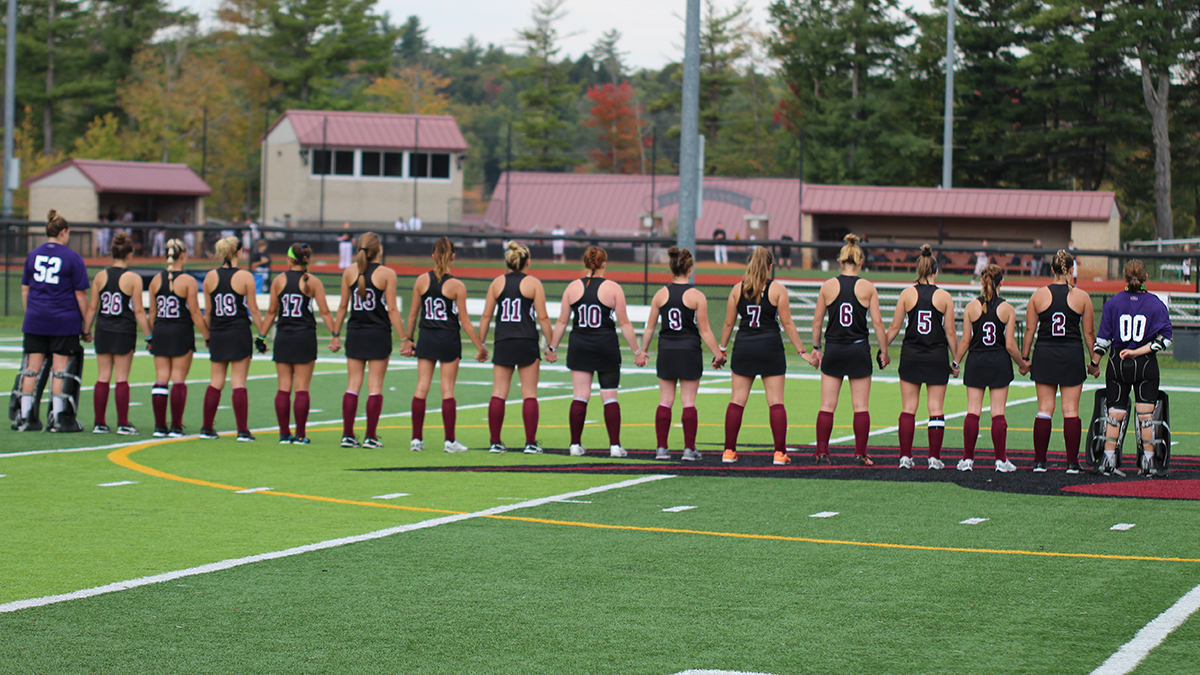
x=375 y=130
x=133 y=177
x=612 y=204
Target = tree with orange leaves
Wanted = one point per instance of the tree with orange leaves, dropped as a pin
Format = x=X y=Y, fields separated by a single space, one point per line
x=623 y=143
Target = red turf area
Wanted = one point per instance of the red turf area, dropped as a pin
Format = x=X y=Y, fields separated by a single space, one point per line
x=1153 y=489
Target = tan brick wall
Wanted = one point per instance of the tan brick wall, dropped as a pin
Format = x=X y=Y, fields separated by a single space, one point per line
x=1096 y=235
x=76 y=204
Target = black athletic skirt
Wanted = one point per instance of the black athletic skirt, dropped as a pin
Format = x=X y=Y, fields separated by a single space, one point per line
x=1060 y=365
x=924 y=366
x=758 y=355
x=988 y=369
x=680 y=364
x=173 y=339
x=369 y=344
x=1138 y=375
x=594 y=353
x=847 y=360
x=108 y=342
x=295 y=346
x=516 y=352
x=230 y=345
x=443 y=346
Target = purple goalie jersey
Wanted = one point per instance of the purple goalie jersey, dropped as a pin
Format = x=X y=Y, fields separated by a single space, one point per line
x=53 y=273
x=1131 y=320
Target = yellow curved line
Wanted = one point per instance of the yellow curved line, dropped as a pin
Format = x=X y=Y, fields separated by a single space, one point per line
x=121 y=458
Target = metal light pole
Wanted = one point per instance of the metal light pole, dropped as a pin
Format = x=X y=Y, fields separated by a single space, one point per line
x=948 y=123
x=689 y=147
x=10 y=85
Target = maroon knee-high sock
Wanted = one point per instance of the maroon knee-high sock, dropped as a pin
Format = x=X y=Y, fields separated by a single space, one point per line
x=158 y=400
x=495 y=418
x=1041 y=438
x=418 y=418
x=937 y=433
x=970 y=435
x=283 y=411
x=778 y=416
x=612 y=421
x=662 y=425
x=303 y=401
x=577 y=416
x=374 y=408
x=212 y=398
x=121 y=397
x=529 y=415
x=691 y=421
x=349 y=410
x=449 y=417
x=824 y=431
x=862 y=431
x=733 y=424
x=100 y=403
x=179 y=392
x=908 y=429
x=241 y=408
x=1000 y=437
x=1072 y=430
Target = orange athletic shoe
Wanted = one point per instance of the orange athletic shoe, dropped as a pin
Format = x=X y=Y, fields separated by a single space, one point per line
x=782 y=459
x=729 y=457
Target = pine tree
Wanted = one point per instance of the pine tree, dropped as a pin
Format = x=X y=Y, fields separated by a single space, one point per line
x=546 y=92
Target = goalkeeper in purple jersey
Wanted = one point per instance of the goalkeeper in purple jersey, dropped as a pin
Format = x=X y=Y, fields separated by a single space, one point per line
x=1134 y=327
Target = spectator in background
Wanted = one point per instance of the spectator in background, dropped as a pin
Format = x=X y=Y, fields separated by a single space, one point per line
x=1075 y=263
x=103 y=241
x=1039 y=259
x=158 y=248
x=189 y=240
x=260 y=264
x=981 y=261
x=558 y=244
x=414 y=223
x=720 y=251
x=1186 y=270
x=400 y=224
x=581 y=232
x=346 y=247
x=785 y=252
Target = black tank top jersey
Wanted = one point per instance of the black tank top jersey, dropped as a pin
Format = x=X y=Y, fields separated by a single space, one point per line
x=295 y=308
x=438 y=311
x=116 y=307
x=588 y=314
x=371 y=311
x=925 y=327
x=516 y=318
x=1058 y=323
x=679 y=329
x=988 y=331
x=757 y=317
x=169 y=307
x=228 y=310
x=846 y=316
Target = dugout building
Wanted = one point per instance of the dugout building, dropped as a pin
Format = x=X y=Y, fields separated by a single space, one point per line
x=324 y=168
x=89 y=190
x=767 y=208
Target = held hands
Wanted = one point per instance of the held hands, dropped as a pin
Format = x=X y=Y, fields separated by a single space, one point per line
x=641 y=360
x=335 y=344
x=87 y=337
x=1094 y=368
x=1024 y=367
x=551 y=356
x=883 y=358
x=408 y=347
x=260 y=343
x=481 y=355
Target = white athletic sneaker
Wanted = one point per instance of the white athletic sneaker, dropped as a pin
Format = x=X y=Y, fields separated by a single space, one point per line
x=662 y=454
x=691 y=455
x=577 y=450
x=416 y=445
x=455 y=446
x=1005 y=466
x=966 y=465
x=906 y=462
x=936 y=464
x=616 y=451
x=497 y=448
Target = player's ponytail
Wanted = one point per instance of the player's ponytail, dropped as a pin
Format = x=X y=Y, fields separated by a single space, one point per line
x=758 y=272
x=227 y=249
x=1135 y=276
x=1062 y=264
x=680 y=261
x=443 y=256
x=926 y=264
x=300 y=253
x=851 y=253
x=993 y=274
x=121 y=246
x=55 y=224
x=175 y=249
x=516 y=258
x=368 y=250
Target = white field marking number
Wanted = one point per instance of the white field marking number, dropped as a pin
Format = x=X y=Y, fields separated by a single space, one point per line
x=120 y=482
x=972 y=521
x=677 y=509
x=391 y=496
x=252 y=490
x=1120 y=527
x=824 y=514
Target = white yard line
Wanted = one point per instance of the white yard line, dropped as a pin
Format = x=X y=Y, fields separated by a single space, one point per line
x=1132 y=653
x=319 y=546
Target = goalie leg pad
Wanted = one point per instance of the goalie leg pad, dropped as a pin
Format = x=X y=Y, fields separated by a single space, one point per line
x=1159 y=422
x=72 y=384
x=41 y=376
x=1098 y=431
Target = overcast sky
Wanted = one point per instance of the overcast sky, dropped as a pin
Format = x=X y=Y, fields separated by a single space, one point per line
x=652 y=33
